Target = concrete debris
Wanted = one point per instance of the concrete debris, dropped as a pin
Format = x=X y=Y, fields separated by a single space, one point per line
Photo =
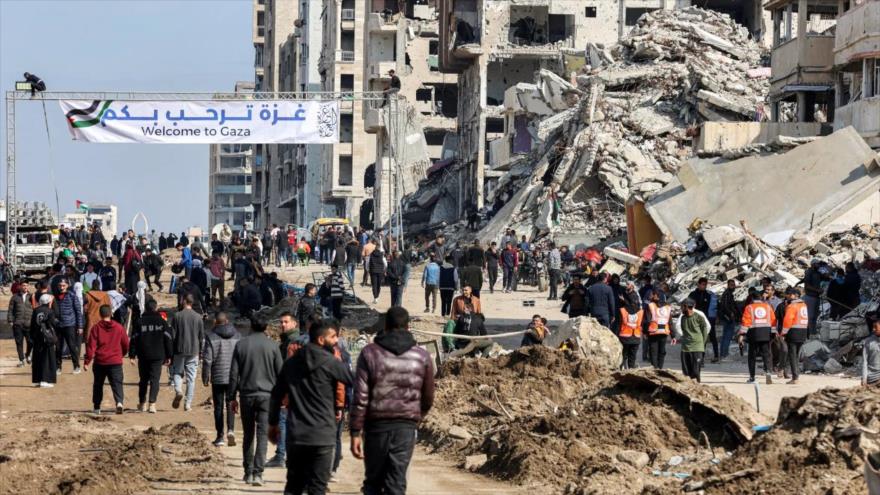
x=722 y=237
x=832 y=366
x=634 y=458
x=619 y=255
x=626 y=126
x=459 y=433
x=475 y=462
x=593 y=340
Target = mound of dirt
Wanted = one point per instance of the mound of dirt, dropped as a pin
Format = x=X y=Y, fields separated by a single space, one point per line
x=552 y=420
x=817 y=446
x=82 y=454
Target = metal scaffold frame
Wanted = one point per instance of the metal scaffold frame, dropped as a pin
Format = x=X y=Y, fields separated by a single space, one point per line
x=13 y=96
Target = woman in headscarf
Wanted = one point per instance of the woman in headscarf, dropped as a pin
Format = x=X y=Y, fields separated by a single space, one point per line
x=43 y=324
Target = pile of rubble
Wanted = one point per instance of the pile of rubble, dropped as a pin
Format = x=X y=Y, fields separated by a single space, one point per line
x=728 y=252
x=818 y=445
x=628 y=122
x=521 y=417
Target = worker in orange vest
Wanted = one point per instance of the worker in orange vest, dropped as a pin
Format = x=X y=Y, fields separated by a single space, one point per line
x=630 y=328
x=658 y=315
x=758 y=327
x=794 y=329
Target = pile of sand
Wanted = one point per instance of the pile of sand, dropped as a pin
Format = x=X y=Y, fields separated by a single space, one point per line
x=817 y=446
x=82 y=454
x=552 y=420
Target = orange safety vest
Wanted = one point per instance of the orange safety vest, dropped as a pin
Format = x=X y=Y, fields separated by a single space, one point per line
x=758 y=314
x=796 y=316
x=659 y=319
x=630 y=324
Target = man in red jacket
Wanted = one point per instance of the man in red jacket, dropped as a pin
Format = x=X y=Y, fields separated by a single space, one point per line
x=107 y=344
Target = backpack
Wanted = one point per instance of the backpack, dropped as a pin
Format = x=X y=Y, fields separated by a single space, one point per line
x=136 y=264
x=47 y=333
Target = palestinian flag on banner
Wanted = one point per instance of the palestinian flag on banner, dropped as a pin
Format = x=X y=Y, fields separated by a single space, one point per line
x=81 y=206
x=89 y=116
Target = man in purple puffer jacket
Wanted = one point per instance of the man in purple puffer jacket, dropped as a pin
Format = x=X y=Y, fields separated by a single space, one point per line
x=393 y=390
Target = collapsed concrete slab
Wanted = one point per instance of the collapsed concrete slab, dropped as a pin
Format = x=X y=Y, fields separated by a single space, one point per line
x=596 y=342
x=819 y=183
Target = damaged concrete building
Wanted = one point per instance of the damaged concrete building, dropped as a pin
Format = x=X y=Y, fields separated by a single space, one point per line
x=496 y=48
x=575 y=149
x=825 y=64
x=341 y=70
x=409 y=129
x=857 y=69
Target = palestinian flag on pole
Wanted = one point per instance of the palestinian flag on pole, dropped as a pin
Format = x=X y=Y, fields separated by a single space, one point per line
x=81 y=206
x=88 y=116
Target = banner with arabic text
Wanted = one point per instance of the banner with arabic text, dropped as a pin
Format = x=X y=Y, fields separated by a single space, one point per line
x=187 y=122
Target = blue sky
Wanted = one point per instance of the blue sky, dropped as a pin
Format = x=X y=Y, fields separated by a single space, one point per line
x=119 y=45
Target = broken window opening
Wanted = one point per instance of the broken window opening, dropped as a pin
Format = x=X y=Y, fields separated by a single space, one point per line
x=346 y=123
x=424 y=94
x=434 y=138
x=590 y=12
x=370 y=175
x=446 y=100
x=559 y=27
x=346 y=82
x=634 y=13
x=345 y=171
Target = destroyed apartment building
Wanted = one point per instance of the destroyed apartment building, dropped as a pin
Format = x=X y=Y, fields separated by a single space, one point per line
x=621 y=127
x=494 y=46
x=410 y=129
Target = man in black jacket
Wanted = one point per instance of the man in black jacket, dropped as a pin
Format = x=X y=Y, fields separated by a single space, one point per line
x=151 y=344
x=19 y=316
x=153 y=268
x=352 y=260
x=256 y=362
x=308 y=380
x=602 y=301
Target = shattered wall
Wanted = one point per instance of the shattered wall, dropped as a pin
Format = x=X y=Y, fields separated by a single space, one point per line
x=628 y=124
x=403 y=159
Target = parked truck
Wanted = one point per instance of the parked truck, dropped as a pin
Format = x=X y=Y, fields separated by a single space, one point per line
x=35 y=239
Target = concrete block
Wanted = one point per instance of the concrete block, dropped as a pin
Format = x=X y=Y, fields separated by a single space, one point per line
x=474 y=462
x=822 y=248
x=459 y=433
x=720 y=238
x=613 y=267
x=832 y=366
x=814 y=348
x=597 y=343
x=634 y=458
x=630 y=259
x=786 y=277
x=688 y=177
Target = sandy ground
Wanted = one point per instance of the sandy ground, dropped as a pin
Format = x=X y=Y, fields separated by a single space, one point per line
x=429 y=474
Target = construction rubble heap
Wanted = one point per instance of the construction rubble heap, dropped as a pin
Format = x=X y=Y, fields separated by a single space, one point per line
x=521 y=417
x=817 y=446
x=625 y=125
